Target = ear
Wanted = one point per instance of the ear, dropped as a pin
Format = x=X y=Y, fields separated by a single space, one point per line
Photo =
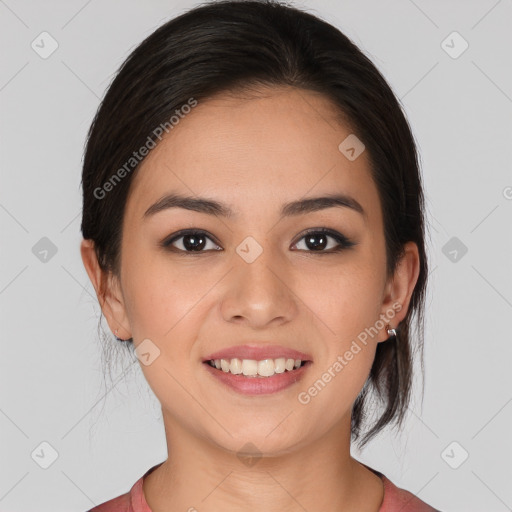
x=399 y=288
x=108 y=291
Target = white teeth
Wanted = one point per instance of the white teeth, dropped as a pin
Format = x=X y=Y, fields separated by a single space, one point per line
x=266 y=367
x=236 y=366
x=279 y=365
x=253 y=368
x=249 y=367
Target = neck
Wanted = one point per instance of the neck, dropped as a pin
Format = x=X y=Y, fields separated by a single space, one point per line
x=203 y=476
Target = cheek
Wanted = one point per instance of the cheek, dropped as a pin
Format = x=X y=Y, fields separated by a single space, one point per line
x=335 y=384
x=160 y=296
x=346 y=298
x=164 y=305
x=348 y=355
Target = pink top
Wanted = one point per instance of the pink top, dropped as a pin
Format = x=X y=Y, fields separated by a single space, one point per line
x=395 y=499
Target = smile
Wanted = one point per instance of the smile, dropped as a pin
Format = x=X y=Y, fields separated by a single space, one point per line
x=254 y=368
x=263 y=377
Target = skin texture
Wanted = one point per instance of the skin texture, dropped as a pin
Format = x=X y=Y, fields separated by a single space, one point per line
x=255 y=154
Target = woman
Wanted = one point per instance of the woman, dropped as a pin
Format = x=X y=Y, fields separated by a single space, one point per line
x=253 y=226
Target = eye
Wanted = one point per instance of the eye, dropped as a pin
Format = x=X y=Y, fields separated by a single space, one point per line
x=316 y=240
x=190 y=241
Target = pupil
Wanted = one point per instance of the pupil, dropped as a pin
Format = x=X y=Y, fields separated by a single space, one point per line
x=190 y=241
x=310 y=241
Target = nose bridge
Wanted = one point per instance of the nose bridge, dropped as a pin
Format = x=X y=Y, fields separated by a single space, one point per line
x=259 y=289
x=257 y=267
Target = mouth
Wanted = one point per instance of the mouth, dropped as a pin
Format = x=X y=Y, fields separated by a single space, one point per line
x=252 y=383
x=257 y=369
x=252 y=368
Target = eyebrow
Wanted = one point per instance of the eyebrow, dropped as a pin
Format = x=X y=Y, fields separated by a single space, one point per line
x=212 y=207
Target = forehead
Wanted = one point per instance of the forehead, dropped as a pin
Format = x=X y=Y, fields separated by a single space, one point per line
x=253 y=151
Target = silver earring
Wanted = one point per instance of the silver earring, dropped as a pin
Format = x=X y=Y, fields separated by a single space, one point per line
x=391 y=332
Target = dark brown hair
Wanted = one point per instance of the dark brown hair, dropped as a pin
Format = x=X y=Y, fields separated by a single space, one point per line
x=235 y=45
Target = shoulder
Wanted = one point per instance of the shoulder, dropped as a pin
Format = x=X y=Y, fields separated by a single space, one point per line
x=132 y=501
x=396 y=499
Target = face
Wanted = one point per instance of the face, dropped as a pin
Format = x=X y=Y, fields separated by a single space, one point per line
x=263 y=276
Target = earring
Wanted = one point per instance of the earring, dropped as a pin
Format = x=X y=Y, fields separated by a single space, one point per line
x=391 y=332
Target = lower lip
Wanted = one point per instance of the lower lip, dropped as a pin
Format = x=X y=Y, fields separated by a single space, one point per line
x=258 y=385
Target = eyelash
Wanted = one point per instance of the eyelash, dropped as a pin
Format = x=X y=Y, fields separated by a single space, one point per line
x=343 y=241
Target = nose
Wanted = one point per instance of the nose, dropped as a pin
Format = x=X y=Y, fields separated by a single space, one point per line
x=259 y=293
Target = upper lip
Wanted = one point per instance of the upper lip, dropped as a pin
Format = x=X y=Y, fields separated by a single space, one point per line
x=258 y=352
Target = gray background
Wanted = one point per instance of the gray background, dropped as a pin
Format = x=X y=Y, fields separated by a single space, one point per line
x=51 y=374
